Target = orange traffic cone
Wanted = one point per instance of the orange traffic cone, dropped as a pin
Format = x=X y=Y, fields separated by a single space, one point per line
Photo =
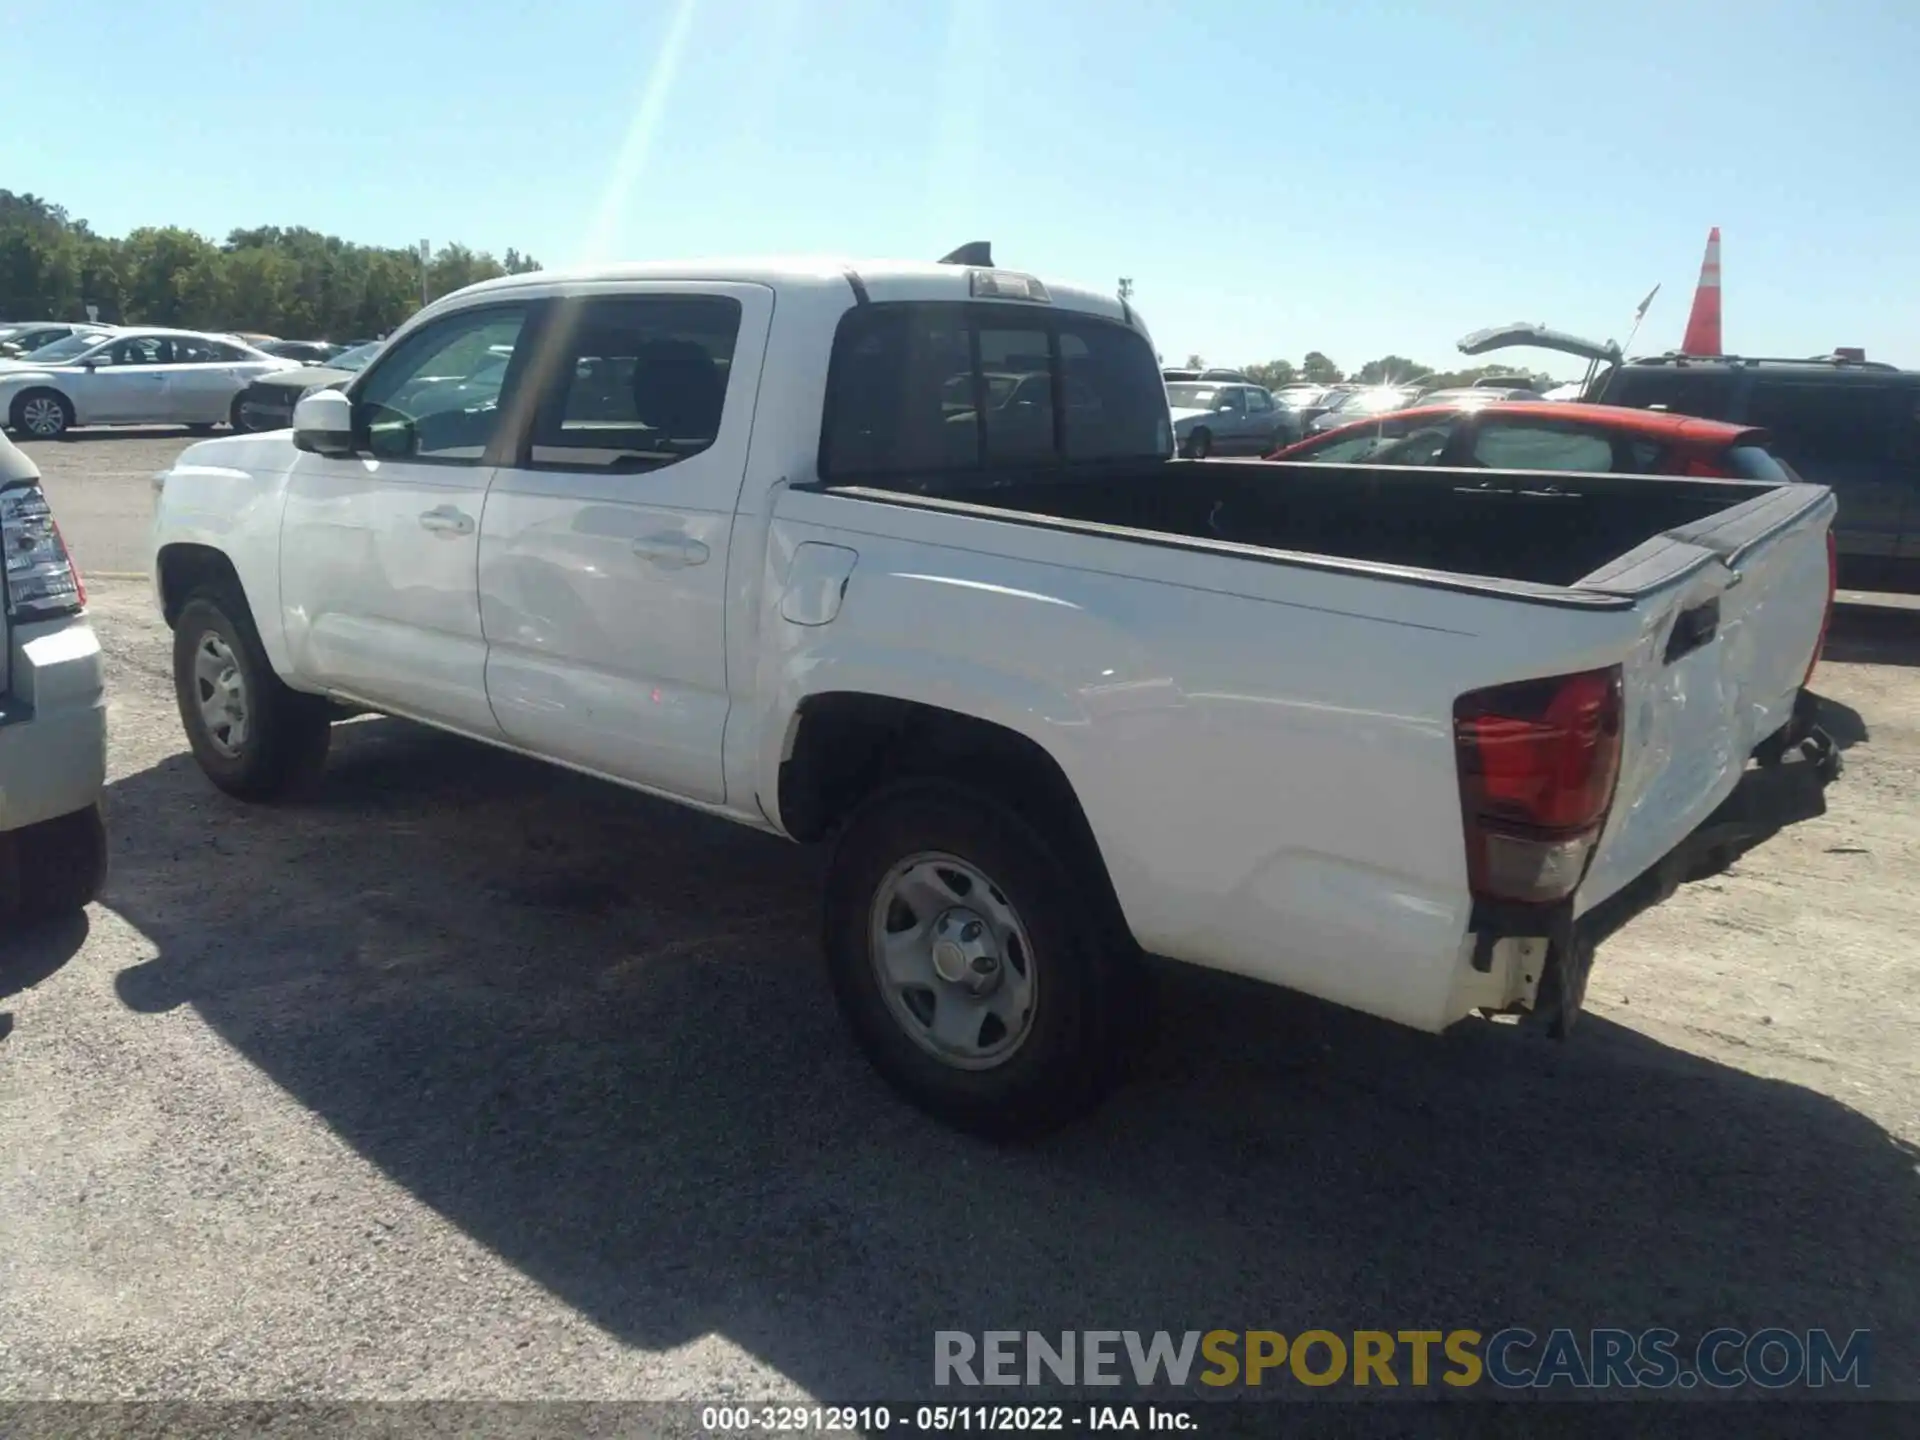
x=1703 y=325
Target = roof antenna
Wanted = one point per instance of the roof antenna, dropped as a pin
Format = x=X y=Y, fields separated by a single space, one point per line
x=974 y=252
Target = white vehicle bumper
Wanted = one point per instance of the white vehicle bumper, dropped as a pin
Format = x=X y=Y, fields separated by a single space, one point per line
x=53 y=723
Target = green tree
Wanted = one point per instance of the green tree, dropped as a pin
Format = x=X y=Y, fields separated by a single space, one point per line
x=1317 y=369
x=1273 y=373
x=1392 y=370
x=282 y=280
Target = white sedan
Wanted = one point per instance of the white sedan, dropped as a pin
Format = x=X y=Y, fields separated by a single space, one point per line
x=135 y=376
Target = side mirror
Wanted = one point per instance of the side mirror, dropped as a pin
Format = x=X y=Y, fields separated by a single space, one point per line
x=323 y=424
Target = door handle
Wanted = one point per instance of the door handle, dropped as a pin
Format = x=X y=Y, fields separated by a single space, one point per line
x=445 y=520
x=671 y=551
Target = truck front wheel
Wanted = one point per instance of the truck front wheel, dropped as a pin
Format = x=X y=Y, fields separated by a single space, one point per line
x=253 y=736
x=970 y=962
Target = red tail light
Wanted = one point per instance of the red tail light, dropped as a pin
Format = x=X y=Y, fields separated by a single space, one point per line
x=1826 y=620
x=39 y=574
x=1538 y=764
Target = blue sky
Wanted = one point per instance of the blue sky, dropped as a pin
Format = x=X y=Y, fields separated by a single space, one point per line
x=1358 y=176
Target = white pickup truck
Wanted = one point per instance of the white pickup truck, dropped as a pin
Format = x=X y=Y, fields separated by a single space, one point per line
x=897 y=555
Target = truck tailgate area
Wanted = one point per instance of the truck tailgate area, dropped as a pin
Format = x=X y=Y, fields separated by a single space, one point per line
x=1722 y=655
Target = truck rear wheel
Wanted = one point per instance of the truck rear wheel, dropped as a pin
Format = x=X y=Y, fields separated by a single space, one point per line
x=970 y=962
x=253 y=736
x=63 y=863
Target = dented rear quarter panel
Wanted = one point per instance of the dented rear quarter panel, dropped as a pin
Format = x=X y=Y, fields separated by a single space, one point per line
x=1264 y=753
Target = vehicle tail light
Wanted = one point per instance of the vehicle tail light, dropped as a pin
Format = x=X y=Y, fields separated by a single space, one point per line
x=1705 y=470
x=1538 y=764
x=41 y=579
x=1826 y=620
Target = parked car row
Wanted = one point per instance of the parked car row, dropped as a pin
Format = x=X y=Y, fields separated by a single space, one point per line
x=1221 y=412
x=1839 y=420
x=130 y=376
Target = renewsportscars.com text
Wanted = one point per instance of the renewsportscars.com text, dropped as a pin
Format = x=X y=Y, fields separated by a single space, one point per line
x=1513 y=1359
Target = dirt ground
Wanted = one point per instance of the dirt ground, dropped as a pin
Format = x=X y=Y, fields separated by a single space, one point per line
x=470 y=1078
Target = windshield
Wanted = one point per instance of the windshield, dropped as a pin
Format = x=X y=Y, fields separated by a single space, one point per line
x=1374 y=402
x=1193 y=397
x=354 y=359
x=1300 y=397
x=70 y=348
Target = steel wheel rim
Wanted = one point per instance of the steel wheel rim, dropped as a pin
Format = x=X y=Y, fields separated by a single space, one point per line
x=220 y=690
x=953 y=961
x=43 y=416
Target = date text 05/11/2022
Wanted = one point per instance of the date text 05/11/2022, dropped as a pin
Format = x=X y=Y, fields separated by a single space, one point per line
x=942 y=1419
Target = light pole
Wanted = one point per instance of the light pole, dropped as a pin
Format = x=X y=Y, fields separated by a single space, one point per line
x=426 y=253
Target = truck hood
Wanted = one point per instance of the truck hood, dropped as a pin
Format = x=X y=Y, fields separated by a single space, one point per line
x=306 y=377
x=1538 y=337
x=263 y=452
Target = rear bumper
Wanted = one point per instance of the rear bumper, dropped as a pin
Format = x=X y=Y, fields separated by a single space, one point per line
x=53 y=724
x=1537 y=961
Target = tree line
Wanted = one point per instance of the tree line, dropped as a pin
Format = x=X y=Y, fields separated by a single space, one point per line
x=294 y=283
x=300 y=284
x=1316 y=369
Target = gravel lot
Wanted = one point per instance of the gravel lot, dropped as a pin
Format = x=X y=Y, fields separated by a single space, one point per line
x=471 y=1078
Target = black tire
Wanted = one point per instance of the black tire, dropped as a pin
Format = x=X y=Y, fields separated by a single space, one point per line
x=63 y=863
x=237 y=418
x=283 y=745
x=1200 y=445
x=1083 y=972
x=62 y=410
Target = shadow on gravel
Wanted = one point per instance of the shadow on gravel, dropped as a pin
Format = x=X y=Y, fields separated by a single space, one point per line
x=591 y=1029
x=29 y=953
x=1874 y=635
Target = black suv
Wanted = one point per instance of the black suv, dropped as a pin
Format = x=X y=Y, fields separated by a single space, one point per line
x=1839 y=420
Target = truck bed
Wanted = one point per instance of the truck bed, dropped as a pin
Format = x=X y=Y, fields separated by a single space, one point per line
x=1536 y=527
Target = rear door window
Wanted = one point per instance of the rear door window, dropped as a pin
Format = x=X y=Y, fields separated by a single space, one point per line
x=1679 y=392
x=1848 y=425
x=946 y=387
x=1505 y=445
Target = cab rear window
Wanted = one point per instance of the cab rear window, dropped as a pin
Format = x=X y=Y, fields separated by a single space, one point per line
x=958 y=387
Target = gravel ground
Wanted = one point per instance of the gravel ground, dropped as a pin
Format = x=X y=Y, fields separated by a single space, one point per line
x=471 y=1078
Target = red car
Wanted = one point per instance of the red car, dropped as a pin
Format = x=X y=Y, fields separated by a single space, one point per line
x=1548 y=435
